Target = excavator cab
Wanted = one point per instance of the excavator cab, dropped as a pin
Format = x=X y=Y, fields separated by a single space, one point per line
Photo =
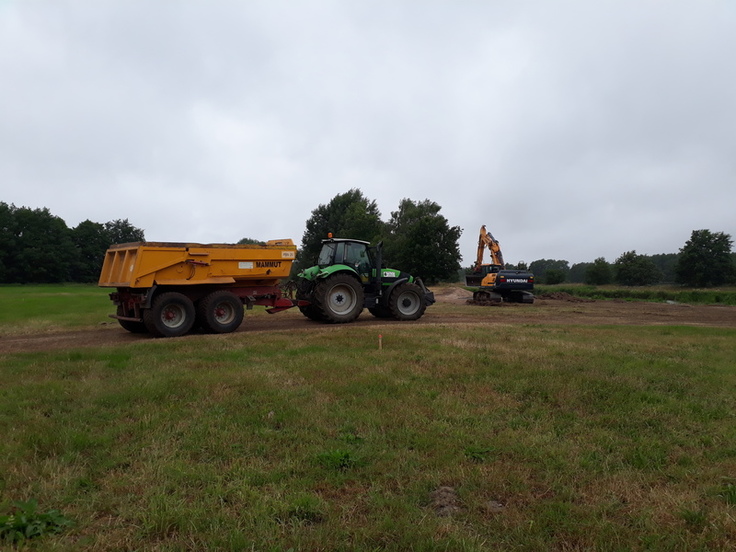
x=485 y=270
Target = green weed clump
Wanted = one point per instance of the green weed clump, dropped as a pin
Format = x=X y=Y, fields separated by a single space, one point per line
x=25 y=522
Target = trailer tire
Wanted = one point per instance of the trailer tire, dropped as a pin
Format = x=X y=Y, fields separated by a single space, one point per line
x=407 y=302
x=220 y=312
x=129 y=325
x=171 y=315
x=339 y=298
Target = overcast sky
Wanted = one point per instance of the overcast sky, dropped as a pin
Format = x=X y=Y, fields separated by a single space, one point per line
x=572 y=129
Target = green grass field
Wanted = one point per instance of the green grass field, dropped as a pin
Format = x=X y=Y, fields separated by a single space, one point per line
x=52 y=306
x=495 y=437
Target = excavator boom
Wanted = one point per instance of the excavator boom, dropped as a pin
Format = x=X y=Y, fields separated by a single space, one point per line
x=486 y=239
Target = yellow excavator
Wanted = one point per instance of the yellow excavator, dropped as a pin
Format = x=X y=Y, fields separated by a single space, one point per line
x=493 y=282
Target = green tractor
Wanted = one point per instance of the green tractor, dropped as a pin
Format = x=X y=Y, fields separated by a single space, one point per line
x=349 y=277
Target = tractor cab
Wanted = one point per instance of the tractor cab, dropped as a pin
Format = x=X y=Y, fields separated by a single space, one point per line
x=356 y=254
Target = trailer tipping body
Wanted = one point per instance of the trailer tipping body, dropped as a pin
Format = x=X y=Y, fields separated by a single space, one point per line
x=167 y=288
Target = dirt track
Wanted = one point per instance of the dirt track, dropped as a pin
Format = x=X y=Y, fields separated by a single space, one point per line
x=558 y=309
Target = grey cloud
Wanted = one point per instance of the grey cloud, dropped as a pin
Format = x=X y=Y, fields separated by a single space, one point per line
x=573 y=130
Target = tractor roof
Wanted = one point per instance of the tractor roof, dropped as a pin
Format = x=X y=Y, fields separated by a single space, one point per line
x=329 y=240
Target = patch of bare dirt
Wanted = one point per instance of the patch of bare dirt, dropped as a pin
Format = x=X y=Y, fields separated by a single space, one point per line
x=562 y=296
x=555 y=309
x=444 y=501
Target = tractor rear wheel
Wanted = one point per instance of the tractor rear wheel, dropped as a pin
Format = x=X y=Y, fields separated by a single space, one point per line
x=171 y=315
x=220 y=312
x=339 y=298
x=407 y=302
x=305 y=292
x=312 y=312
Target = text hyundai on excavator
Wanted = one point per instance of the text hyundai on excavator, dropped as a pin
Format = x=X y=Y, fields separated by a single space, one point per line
x=493 y=281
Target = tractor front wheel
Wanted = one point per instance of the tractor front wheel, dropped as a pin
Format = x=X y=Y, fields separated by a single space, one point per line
x=339 y=298
x=407 y=302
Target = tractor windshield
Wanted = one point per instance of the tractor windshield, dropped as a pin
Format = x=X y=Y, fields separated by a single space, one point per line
x=327 y=255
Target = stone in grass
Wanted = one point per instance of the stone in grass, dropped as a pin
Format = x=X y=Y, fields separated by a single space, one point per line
x=494 y=506
x=444 y=501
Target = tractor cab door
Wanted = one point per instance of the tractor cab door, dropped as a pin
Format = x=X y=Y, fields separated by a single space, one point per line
x=358 y=256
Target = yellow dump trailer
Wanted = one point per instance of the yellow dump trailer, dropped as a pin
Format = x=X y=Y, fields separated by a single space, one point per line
x=168 y=288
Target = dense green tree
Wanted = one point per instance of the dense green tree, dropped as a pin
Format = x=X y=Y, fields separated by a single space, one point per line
x=348 y=215
x=121 y=231
x=7 y=240
x=421 y=241
x=251 y=241
x=91 y=241
x=540 y=267
x=631 y=269
x=554 y=276
x=44 y=250
x=577 y=273
x=705 y=260
x=666 y=263
x=599 y=273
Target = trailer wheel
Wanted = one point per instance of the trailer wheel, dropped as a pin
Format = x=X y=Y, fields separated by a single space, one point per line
x=171 y=315
x=220 y=312
x=407 y=302
x=129 y=325
x=339 y=298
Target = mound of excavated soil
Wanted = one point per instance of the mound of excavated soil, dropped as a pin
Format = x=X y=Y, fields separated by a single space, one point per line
x=454 y=295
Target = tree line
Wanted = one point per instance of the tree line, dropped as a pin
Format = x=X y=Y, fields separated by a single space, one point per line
x=38 y=247
x=705 y=260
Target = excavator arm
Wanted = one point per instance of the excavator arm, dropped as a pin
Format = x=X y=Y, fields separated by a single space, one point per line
x=486 y=240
